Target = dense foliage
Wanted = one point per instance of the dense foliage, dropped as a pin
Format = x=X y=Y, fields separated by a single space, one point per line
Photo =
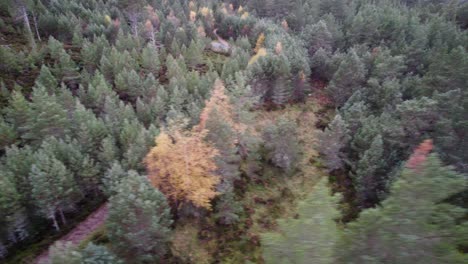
x=151 y=105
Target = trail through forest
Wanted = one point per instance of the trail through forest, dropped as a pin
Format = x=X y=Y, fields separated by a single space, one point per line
x=80 y=232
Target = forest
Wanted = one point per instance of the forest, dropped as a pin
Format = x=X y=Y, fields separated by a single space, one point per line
x=233 y=131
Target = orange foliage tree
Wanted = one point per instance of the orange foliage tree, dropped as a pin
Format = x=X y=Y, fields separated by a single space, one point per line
x=419 y=155
x=182 y=167
x=218 y=101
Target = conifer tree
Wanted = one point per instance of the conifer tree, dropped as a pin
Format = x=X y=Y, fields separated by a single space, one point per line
x=108 y=151
x=17 y=163
x=139 y=220
x=47 y=80
x=332 y=143
x=309 y=238
x=13 y=218
x=47 y=117
x=18 y=111
x=414 y=224
x=317 y=36
x=112 y=178
x=65 y=69
x=368 y=179
x=150 y=59
x=53 y=187
x=8 y=134
x=281 y=144
x=64 y=253
x=93 y=254
x=347 y=79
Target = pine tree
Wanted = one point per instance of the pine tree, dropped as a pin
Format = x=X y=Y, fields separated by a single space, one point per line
x=13 y=219
x=139 y=220
x=183 y=168
x=281 y=144
x=112 y=178
x=347 y=79
x=175 y=68
x=88 y=130
x=108 y=151
x=53 y=187
x=332 y=143
x=93 y=254
x=310 y=238
x=83 y=168
x=150 y=59
x=47 y=80
x=65 y=69
x=320 y=64
x=18 y=111
x=317 y=36
x=8 y=134
x=368 y=179
x=47 y=117
x=17 y=163
x=414 y=224
x=64 y=253
x=135 y=153
x=94 y=97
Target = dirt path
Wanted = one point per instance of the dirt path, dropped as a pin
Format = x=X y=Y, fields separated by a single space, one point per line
x=80 y=232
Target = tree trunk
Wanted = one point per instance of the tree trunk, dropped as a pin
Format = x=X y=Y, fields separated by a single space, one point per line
x=134 y=25
x=153 y=39
x=55 y=222
x=62 y=216
x=35 y=27
x=24 y=14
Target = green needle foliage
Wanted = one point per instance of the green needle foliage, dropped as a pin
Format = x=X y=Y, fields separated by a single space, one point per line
x=309 y=238
x=139 y=220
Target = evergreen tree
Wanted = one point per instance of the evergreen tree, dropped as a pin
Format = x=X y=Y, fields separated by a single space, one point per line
x=332 y=143
x=414 y=224
x=53 y=187
x=150 y=59
x=309 y=238
x=281 y=144
x=347 y=79
x=47 y=80
x=65 y=69
x=112 y=178
x=47 y=117
x=368 y=178
x=17 y=163
x=64 y=253
x=8 y=134
x=139 y=220
x=317 y=36
x=13 y=218
x=93 y=254
x=18 y=111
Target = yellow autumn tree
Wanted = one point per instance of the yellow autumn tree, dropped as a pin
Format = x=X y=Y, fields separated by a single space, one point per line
x=259 y=43
x=262 y=52
x=219 y=101
x=182 y=167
